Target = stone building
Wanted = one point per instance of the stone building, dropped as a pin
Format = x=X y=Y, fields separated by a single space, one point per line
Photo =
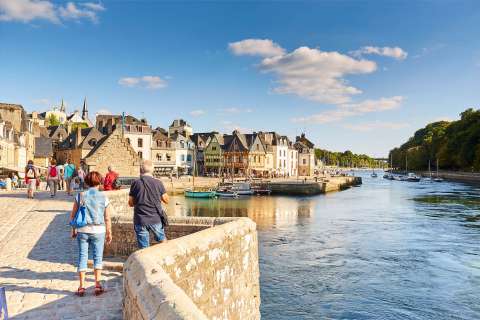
x=137 y=132
x=184 y=149
x=306 y=156
x=163 y=153
x=115 y=150
x=78 y=145
x=180 y=126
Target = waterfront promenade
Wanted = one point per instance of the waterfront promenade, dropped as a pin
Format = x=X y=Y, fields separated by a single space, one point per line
x=37 y=263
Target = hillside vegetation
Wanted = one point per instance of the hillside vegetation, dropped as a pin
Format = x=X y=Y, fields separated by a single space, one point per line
x=455 y=144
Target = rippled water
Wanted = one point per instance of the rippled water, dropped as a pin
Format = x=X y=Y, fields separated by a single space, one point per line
x=385 y=250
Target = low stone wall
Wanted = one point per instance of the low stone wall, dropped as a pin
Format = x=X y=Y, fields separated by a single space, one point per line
x=210 y=274
x=207 y=270
x=124 y=241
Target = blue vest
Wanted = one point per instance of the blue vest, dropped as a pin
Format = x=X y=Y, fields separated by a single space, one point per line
x=95 y=203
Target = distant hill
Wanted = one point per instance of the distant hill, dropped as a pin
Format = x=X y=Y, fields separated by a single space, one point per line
x=456 y=144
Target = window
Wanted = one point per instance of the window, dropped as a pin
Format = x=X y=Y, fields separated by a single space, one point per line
x=159 y=157
x=182 y=144
x=128 y=140
x=182 y=157
x=169 y=157
x=258 y=147
x=189 y=157
x=140 y=154
x=214 y=148
x=304 y=161
x=140 y=142
x=92 y=142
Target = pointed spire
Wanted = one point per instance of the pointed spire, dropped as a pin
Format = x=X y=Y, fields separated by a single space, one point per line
x=84 y=109
x=62 y=107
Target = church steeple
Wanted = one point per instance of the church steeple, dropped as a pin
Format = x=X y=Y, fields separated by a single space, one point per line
x=84 y=109
x=62 y=107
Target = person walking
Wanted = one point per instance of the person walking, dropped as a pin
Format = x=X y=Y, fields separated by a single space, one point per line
x=31 y=179
x=146 y=196
x=82 y=172
x=110 y=179
x=53 y=177
x=61 y=179
x=69 y=170
x=97 y=231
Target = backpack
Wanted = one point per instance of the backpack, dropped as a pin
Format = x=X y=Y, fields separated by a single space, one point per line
x=31 y=173
x=53 y=172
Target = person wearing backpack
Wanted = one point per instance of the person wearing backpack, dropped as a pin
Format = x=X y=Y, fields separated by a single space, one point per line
x=69 y=171
x=53 y=176
x=95 y=229
x=31 y=178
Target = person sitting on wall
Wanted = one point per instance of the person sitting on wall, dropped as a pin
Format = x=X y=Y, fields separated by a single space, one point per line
x=109 y=183
x=146 y=196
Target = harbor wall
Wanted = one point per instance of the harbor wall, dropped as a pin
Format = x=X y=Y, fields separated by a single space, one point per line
x=210 y=274
x=208 y=269
x=458 y=176
x=309 y=187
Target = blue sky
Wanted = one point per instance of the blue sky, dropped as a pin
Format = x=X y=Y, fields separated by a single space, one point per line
x=357 y=75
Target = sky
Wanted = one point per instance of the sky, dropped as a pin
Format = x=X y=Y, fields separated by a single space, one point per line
x=353 y=75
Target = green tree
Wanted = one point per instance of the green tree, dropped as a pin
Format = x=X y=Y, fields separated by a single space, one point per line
x=52 y=120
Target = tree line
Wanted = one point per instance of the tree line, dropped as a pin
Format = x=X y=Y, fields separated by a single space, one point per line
x=455 y=144
x=347 y=159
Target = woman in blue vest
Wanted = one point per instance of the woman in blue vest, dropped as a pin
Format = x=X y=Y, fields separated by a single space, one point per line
x=97 y=231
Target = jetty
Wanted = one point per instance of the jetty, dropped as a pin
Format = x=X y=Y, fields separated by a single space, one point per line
x=279 y=186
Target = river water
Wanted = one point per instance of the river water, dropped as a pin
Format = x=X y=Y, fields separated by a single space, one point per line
x=385 y=250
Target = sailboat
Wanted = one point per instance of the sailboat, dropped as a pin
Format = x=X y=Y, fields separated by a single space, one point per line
x=410 y=176
x=192 y=192
x=374 y=174
x=437 y=178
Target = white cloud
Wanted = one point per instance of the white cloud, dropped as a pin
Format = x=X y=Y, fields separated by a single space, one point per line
x=256 y=47
x=309 y=73
x=197 y=113
x=370 y=126
x=149 y=82
x=353 y=109
x=93 y=6
x=392 y=52
x=29 y=10
x=236 y=110
x=72 y=12
x=317 y=75
x=229 y=126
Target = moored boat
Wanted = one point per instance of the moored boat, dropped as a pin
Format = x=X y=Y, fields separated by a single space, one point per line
x=412 y=177
x=189 y=193
x=242 y=189
x=223 y=193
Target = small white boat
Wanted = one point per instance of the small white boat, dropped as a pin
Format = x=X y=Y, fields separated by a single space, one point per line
x=412 y=177
x=223 y=193
x=374 y=174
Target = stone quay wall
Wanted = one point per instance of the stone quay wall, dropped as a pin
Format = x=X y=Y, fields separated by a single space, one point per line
x=208 y=271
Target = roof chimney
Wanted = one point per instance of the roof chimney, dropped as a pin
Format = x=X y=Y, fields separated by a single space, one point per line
x=78 y=139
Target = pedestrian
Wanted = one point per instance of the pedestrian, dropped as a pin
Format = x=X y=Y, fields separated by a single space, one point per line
x=61 y=180
x=82 y=172
x=146 y=196
x=110 y=180
x=69 y=171
x=31 y=179
x=97 y=231
x=52 y=178
x=14 y=181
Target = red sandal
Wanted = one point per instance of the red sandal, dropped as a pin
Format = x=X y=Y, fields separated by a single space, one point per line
x=80 y=292
x=99 y=290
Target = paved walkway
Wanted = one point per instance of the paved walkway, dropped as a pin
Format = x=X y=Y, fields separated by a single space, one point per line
x=37 y=263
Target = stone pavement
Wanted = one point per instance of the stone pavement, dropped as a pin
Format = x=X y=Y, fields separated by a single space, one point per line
x=37 y=262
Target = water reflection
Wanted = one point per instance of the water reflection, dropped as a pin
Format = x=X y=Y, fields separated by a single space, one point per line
x=265 y=211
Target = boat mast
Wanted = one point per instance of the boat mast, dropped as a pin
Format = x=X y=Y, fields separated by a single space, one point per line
x=429 y=169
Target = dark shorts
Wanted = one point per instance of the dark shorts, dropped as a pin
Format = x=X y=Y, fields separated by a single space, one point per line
x=143 y=234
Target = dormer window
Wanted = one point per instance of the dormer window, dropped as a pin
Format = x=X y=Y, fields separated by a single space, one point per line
x=92 y=142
